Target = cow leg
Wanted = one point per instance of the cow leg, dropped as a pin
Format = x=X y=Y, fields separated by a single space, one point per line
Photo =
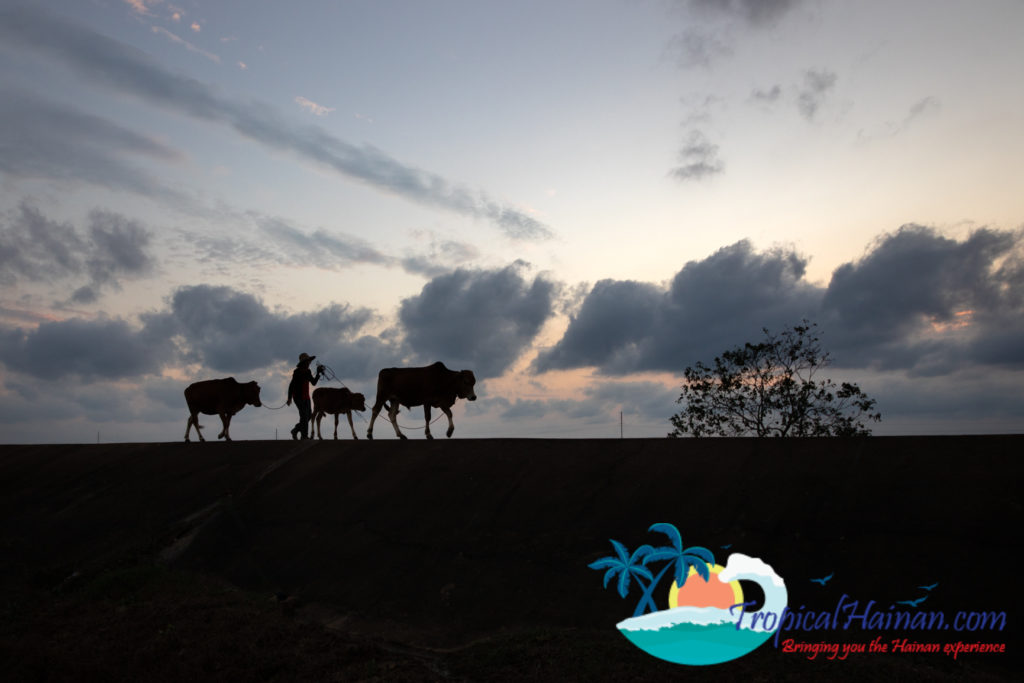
x=317 y=417
x=426 y=418
x=351 y=426
x=226 y=421
x=335 y=426
x=193 y=420
x=373 y=417
x=393 y=416
x=451 y=424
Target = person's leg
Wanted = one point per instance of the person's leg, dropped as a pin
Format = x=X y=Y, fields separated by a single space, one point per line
x=305 y=412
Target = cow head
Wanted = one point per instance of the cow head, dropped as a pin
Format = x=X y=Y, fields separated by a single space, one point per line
x=464 y=385
x=251 y=392
x=358 y=402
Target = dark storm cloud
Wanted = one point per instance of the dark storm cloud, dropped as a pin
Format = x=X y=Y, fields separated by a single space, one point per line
x=917 y=301
x=625 y=327
x=42 y=139
x=36 y=248
x=612 y=319
x=89 y=349
x=218 y=328
x=126 y=69
x=916 y=280
x=813 y=91
x=232 y=331
x=477 y=319
x=698 y=159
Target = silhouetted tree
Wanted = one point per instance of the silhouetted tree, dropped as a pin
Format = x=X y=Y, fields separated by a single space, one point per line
x=769 y=389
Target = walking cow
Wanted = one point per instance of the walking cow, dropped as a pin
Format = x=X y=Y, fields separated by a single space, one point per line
x=433 y=386
x=332 y=401
x=223 y=397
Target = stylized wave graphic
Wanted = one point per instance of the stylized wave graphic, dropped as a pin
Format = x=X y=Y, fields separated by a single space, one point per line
x=710 y=635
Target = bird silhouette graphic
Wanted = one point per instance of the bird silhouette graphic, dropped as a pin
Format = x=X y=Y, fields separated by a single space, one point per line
x=823 y=580
x=929 y=588
x=912 y=603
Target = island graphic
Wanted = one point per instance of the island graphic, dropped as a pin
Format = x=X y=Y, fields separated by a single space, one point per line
x=706 y=621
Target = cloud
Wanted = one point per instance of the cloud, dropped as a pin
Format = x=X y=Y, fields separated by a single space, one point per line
x=42 y=139
x=219 y=329
x=116 y=65
x=88 y=349
x=142 y=6
x=638 y=399
x=766 y=96
x=185 y=44
x=698 y=159
x=927 y=303
x=601 y=403
x=613 y=317
x=921 y=109
x=38 y=249
x=227 y=330
x=815 y=88
x=696 y=48
x=319 y=248
x=443 y=256
x=477 y=319
x=712 y=26
x=753 y=12
x=117 y=247
x=709 y=306
x=917 y=302
x=265 y=239
x=313 y=107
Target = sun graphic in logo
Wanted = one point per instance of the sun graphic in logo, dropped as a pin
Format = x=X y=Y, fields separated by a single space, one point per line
x=699 y=593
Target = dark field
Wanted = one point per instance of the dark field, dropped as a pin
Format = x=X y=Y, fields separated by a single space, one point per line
x=466 y=560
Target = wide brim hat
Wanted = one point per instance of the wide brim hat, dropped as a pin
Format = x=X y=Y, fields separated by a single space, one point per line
x=305 y=357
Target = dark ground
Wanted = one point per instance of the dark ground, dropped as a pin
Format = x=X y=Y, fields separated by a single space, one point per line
x=467 y=559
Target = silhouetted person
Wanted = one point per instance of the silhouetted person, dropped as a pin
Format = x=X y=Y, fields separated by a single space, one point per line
x=298 y=391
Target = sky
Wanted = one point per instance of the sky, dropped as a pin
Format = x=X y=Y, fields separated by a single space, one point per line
x=574 y=199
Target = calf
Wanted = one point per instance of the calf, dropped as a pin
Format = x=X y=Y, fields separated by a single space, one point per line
x=332 y=401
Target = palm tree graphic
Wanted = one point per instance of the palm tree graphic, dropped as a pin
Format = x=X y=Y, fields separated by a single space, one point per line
x=628 y=566
x=625 y=566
